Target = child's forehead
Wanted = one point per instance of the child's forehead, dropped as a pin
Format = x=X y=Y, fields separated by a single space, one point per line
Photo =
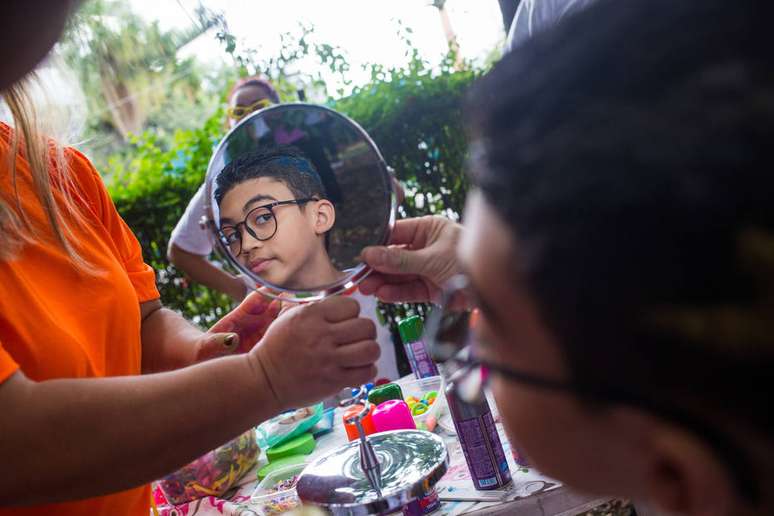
x=251 y=193
x=269 y=186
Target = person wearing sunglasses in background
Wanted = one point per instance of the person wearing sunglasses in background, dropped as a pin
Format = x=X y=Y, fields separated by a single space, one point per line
x=190 y=245
x=619 y=247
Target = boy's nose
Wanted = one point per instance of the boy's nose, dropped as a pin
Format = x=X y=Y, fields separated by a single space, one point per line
x=249 y=242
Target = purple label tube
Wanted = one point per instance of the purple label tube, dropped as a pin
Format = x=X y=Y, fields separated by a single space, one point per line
x=411 y=330
x=480 y=442
x=425 y=505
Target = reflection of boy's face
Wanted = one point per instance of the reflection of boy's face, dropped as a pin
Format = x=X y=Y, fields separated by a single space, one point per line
x=298 y=243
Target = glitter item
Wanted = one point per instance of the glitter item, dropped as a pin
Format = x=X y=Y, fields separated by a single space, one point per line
x=284 y=485
x=213 y=473
x=276 y=494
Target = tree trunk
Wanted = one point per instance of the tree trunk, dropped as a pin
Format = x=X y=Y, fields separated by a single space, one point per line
x=125 y=112
x=451 y=37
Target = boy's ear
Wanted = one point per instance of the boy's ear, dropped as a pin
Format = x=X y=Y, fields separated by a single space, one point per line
x=324 y=216
x=685 y=476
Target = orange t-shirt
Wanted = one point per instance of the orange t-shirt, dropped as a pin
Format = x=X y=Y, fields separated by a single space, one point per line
x=57 y=322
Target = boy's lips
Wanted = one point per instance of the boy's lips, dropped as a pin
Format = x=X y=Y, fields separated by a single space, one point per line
x=258 y=266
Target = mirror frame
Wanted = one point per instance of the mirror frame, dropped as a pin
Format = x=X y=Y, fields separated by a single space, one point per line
x=256 y=283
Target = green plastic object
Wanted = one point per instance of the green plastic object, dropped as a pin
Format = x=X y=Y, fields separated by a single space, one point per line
x=279 y=464
x=301 y=445
x=287 y=425
x=388 y=391
x=419 y=409
x=411 y=329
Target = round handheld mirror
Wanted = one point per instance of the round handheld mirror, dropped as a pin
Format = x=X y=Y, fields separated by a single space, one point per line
x=294 y=193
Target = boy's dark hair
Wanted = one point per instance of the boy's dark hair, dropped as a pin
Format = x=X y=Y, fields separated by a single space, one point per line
x=629 y=149
x=283 y=163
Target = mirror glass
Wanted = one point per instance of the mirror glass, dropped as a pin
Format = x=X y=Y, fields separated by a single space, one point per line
x=294 y=193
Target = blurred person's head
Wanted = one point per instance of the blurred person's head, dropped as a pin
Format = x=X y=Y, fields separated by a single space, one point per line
x=274 y=211
x=27 y=39
x=248 y=95
x=621 y=241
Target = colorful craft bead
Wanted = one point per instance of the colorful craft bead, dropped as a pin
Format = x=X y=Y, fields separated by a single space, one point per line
x=419 y=409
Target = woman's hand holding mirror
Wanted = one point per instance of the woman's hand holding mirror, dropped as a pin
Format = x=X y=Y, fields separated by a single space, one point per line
x=312 y=351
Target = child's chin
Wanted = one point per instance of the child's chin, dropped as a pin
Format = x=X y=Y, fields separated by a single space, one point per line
x=277 y=278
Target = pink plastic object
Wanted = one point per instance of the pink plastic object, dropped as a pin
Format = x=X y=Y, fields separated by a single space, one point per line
x=392 y=415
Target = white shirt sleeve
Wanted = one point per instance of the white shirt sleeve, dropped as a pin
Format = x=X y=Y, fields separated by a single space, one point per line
x=520 y=29
x=387 y=365
x=533 y=16
x=188 y=235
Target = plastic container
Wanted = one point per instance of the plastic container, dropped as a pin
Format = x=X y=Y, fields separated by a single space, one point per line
x=388 y=391
x=303 y=444
x=393 y=415
x=351 y=428
x=270 y=497
x=418 y=389
x=288 y=425
x=284 y=462
x=213 y=473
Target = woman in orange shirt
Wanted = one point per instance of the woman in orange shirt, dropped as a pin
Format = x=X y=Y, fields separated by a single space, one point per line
x=97 y=380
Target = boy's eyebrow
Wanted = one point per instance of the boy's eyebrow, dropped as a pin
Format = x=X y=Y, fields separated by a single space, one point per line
x=255 y=199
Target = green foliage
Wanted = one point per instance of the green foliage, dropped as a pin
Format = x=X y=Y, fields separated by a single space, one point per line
x=289 y=70
x=414 y=115
x=131 y=76
x=151 y=191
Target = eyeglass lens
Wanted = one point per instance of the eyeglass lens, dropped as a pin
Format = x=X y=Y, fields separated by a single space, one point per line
x=451 y=345
x=260 y=223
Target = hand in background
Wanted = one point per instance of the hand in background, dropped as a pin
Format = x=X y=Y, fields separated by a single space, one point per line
x=421 y=257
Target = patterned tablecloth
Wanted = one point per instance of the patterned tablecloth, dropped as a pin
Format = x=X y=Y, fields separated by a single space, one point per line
x=455 y=488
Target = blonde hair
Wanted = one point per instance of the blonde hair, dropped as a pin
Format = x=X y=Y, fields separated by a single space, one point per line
x=49 y=170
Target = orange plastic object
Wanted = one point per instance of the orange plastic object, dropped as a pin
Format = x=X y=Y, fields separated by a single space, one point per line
x=351 y=429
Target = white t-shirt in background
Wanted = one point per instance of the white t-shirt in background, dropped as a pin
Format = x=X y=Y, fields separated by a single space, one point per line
x=387 y=365
x=533 y=16
x=188 y=234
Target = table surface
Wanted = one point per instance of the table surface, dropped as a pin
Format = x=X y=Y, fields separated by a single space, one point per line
x=530 y=493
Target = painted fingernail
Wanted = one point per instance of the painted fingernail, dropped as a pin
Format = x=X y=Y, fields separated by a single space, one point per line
x=231 y=340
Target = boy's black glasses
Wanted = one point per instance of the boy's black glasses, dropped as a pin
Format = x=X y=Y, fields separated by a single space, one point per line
x=260 y=223
x=450 y=333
